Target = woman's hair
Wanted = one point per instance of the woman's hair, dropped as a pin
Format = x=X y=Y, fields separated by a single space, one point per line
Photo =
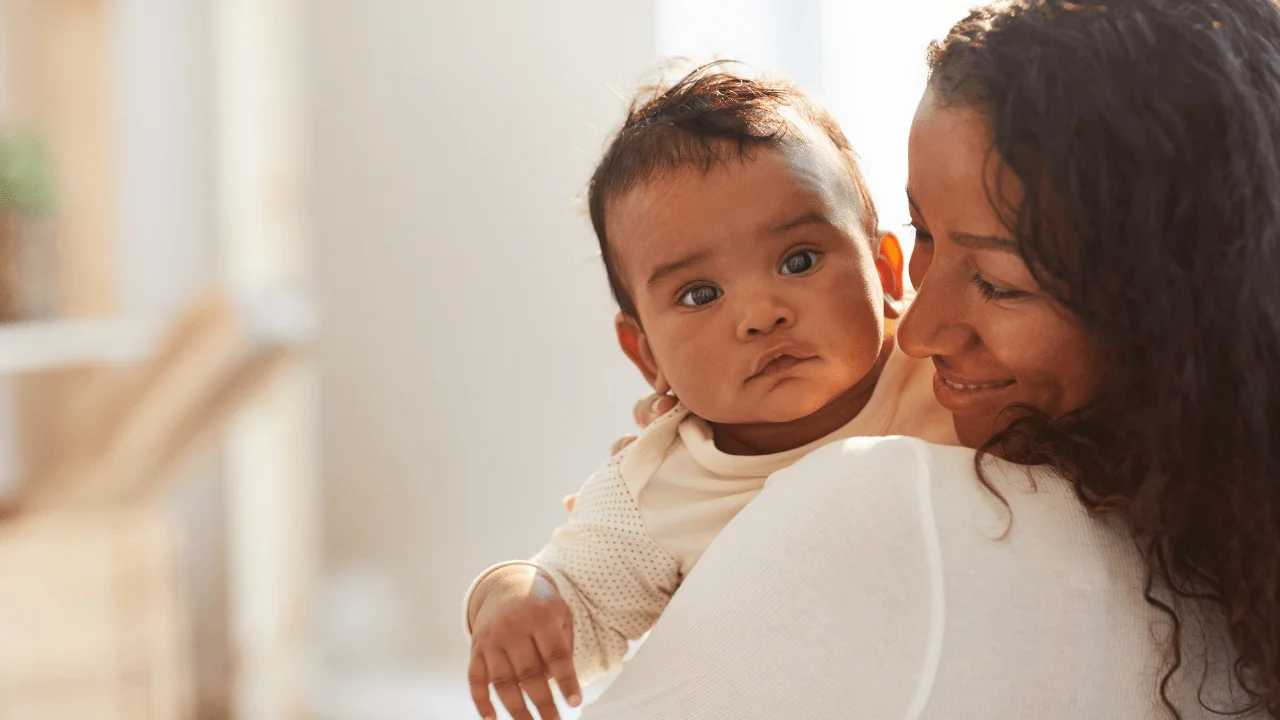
x=1147 y=136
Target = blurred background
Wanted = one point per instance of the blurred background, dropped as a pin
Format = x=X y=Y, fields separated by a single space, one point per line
x=304 y=324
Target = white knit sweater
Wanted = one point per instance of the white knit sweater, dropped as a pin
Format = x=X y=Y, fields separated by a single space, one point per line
x=870 y=580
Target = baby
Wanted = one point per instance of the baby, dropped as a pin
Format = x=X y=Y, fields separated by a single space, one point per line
x=742 y=248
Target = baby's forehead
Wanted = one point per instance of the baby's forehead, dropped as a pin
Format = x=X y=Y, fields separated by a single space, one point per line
x=800 y=170
x=756 y=202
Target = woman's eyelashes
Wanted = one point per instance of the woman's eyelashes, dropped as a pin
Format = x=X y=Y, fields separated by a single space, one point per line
x=922 y=235
x=988 y=289
x=991 y=291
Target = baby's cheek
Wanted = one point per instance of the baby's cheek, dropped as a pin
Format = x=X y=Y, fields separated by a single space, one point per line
x=694 y=379
x=712 y=393
x=859 y=346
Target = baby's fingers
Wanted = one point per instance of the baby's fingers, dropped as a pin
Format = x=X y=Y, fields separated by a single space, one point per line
x=556 y=647
x=478 y=678
x=507 y=684
x=532 y=675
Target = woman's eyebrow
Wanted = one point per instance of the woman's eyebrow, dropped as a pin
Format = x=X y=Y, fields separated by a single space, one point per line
x=971 y=240
x=984 y=242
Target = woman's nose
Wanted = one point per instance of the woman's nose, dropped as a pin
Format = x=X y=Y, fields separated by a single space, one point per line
x=935 y=324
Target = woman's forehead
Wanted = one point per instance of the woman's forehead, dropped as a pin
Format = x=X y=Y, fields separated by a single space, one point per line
x=955 y=174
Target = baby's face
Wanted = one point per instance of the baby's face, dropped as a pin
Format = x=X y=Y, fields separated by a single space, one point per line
x=758 y=294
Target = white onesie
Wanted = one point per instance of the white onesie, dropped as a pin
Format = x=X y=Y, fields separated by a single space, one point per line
x=641 y=522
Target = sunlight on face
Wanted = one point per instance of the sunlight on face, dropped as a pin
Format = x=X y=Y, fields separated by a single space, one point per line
x=994 y=335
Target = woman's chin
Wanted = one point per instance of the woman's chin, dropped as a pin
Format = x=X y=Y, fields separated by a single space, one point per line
x=974 y=430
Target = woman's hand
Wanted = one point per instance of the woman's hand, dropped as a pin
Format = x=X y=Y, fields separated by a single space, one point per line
x=646 y=410
x=651 y=407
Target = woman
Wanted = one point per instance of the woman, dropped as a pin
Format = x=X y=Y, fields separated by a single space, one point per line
x=1096 y=191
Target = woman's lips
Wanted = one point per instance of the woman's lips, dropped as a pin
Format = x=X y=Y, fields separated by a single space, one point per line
x=965 y=395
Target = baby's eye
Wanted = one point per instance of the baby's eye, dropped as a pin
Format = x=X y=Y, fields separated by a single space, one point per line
x=800 y=262
x=701 y=295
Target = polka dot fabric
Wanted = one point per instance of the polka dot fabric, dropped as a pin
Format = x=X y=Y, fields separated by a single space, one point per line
x=616 y=579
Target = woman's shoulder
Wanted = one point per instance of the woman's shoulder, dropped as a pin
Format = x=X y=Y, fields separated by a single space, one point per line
x=959 y=473
x=874 y=461
x=988 y=517
x=871 y=493
x=859 y=451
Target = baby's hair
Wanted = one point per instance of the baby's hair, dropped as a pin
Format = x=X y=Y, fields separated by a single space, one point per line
x=709 y=116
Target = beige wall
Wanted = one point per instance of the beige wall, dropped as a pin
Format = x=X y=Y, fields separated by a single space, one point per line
x=469 y=373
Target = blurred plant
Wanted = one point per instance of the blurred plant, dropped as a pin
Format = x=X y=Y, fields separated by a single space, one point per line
x=26 y=174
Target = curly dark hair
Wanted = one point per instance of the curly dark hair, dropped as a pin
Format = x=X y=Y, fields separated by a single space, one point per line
x=1147 y=135
x=709 y=116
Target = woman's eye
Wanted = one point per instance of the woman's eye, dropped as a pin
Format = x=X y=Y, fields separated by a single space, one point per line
x=800 y=262
x=701 y=295
x=995 y=292
x=922 y=235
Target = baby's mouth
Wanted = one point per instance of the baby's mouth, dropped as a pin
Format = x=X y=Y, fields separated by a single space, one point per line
x=779 y=364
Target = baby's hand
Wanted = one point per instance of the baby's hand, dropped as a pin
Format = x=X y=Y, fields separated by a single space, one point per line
x=522 y=636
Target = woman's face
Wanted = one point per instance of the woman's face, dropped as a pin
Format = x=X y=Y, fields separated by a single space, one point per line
x=995 y=337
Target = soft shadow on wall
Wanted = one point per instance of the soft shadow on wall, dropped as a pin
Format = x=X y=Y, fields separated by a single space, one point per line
x=469 y=372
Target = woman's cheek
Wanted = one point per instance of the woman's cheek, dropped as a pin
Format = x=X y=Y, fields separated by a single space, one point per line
x=1056 y=376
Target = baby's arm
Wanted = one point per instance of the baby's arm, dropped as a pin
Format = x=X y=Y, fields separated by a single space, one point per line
x=613 y=577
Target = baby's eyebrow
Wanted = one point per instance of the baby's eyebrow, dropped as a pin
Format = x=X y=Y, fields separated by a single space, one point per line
x=663 y=270
x=806 y=219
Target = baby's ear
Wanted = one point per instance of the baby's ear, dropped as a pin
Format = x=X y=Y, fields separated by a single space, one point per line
x=635 y=346
x=889 y=263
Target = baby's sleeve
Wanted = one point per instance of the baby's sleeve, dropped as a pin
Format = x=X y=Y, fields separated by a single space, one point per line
x=614 y=577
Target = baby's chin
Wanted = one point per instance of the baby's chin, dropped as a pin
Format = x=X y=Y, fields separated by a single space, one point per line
x=779 y=406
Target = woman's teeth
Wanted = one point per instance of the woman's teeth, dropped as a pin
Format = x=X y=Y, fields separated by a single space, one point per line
x=982 y=386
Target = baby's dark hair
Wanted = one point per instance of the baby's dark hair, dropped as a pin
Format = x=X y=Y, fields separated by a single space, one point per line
x=709 y=116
